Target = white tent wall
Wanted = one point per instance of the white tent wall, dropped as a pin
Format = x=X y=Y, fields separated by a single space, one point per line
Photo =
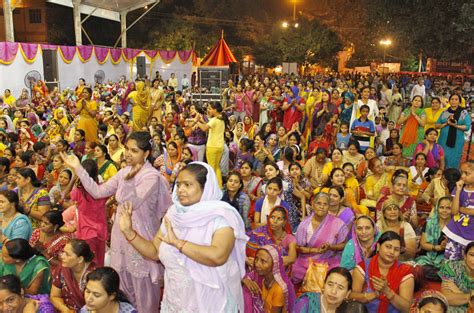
x=12 y=76
x=176 y=67
x=69 y=74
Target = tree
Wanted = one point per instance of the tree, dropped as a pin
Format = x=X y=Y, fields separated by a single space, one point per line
x=311 y=42
x=440 y=29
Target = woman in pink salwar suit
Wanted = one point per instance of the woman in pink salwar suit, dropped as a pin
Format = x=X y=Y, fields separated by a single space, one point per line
x=143 y=186
x=323 y=243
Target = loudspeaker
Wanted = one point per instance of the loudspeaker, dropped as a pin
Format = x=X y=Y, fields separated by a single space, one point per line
x=50 y=65
x=141 y=67
x=234 y=68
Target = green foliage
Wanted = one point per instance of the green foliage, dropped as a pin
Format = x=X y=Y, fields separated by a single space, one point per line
x=440 y=29
x=309 y=43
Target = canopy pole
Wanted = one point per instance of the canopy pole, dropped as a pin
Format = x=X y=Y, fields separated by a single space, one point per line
x=92 y=12
x=8 y=16
x=134 y=22
x=87 y=35
x=76 y=11
x=123 y=28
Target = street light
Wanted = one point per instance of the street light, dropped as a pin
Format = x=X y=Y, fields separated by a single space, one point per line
x=385 y=43
x=297 y=25
x=284 y=24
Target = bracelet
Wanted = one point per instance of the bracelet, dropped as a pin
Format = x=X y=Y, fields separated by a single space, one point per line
x=130 y=240
x=180 y=249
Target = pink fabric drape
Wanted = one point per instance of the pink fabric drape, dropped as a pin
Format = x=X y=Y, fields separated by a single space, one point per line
x=30 y=50
x=85 y=52
x=167 y=55
x=129 y=54
x=68 y=52
x=151 y=53
x=101 y=53
x=185 y=55
x=8 y=51
x=115 y=54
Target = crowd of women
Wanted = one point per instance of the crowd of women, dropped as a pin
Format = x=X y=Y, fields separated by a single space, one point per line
x=326 y=193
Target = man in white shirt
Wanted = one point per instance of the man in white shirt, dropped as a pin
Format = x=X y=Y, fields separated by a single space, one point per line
x=173 y=81
x=418 y=90
x=185 y=82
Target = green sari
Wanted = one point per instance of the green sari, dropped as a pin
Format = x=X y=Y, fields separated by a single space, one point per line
x=35 y=265
x=433 y=234
x=456 y=272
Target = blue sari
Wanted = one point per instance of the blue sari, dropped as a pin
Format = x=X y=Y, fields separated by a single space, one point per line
x=453 y=148
x=19 y=227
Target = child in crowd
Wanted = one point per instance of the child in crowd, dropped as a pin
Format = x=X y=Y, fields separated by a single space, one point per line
x=343 y=136
x=363 y=129
x=460 y=230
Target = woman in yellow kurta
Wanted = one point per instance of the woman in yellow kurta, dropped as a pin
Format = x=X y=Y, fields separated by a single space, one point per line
x=115 y=148
x=106 y=166
x=87 y=109
x=433 y=113
x=141 y=106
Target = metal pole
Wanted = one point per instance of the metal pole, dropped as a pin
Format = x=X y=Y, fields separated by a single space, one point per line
x=76 y=10
x=8 y=16
x=123 y=28
x=92 y=12
x=87 y=35
x=131 y=25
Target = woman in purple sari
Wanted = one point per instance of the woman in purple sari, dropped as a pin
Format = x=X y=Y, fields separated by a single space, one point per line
x=336 y=198
x=267 y=287
x=277 y=232
x=13 y=299
x=320 y=237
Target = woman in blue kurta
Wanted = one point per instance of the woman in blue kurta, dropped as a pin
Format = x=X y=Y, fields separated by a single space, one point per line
x=453 y=122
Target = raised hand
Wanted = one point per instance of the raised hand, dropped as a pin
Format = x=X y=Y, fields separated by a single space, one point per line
x=170 y=237
x=70 y=160
x=125 y=222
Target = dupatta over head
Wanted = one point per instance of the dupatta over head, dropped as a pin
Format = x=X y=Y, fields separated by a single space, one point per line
x=358 y=254
x=196 y=222
x=263 y=235
x=254 y=304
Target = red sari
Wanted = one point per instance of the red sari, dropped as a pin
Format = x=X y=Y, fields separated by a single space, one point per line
x=51 y=249
x=397 y=274
x=72 y=292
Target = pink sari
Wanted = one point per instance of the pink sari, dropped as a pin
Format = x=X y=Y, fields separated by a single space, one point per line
x=332 y=230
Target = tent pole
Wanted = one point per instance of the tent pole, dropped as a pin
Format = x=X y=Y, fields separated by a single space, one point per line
x=92 y=12
x=76 y=11
x=123 y=28
x=87 y=35
x=134 y=22
x=8 y=16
